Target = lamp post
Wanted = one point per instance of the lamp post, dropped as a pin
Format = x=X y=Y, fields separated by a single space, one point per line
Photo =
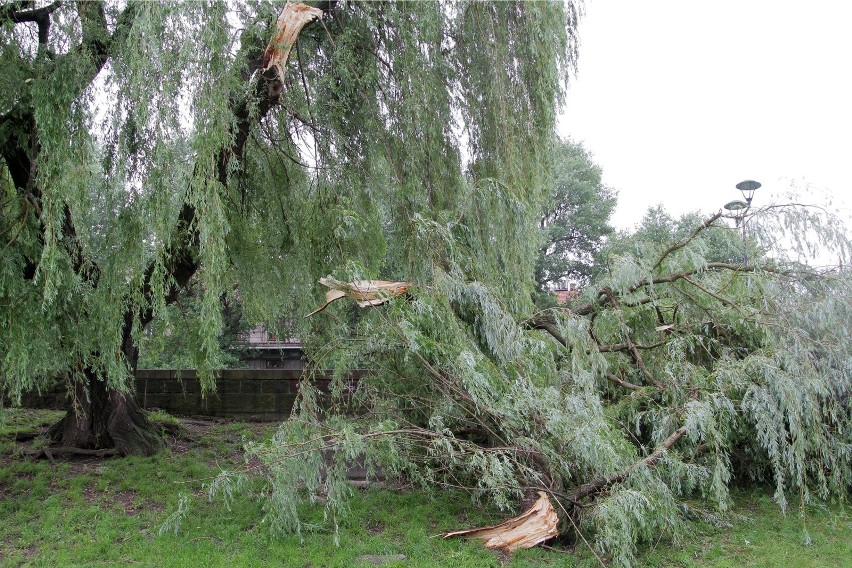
x=739 y=208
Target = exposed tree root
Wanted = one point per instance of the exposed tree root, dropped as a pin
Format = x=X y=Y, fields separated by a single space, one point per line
x=49 y=453
x=27 y=436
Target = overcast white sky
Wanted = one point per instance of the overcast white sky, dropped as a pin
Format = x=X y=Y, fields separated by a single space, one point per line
x=681 y=100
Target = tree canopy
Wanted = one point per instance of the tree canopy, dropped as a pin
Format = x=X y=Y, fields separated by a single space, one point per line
x=575 y=223
x=674 y=375
x=143 y=146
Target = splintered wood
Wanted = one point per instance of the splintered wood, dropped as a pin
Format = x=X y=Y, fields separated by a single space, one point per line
x=532 y=527
x=293 y=18
x=364 y=292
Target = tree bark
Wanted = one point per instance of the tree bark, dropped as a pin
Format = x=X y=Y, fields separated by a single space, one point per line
x=102 y=418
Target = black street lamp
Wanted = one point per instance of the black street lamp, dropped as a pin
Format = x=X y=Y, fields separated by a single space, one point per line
x=739 y=208
x=747 y=188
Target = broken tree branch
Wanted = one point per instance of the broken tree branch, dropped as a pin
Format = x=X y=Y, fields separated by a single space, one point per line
x=628 y=346
x=631 y=347
x=612 y=378
x=545 y=322
x=293 y=18
x=686 y=240
x=709 y=292
x=534 y=526
x=597 y=485
x=364 y=292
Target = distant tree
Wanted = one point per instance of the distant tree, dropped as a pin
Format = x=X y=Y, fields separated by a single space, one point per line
x=658 y=228
x=575 y=224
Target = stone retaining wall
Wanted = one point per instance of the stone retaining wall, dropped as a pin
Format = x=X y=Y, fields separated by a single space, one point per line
x=249 y=394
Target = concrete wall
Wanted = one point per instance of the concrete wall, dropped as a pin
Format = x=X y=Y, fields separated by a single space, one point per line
x=249 y=394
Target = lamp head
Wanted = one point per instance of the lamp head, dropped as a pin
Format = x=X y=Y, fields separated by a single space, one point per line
x=747 y=188
x=734 y=206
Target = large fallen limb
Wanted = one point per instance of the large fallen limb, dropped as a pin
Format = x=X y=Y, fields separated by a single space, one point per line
x=601 y=483
x=591 y=307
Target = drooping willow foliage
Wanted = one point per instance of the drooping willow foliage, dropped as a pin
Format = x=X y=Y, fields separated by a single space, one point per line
x=144 y=150
x=679 y=371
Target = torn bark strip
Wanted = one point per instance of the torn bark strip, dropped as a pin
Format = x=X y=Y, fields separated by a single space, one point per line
x=364 y=292
x=532 y=527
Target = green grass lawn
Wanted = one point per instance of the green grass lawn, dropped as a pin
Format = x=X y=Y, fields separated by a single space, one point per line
x=104 y=512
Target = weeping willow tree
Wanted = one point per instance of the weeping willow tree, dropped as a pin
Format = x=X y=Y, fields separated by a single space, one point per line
x=147 y=145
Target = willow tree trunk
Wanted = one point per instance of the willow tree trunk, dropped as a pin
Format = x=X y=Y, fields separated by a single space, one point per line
x=101 y=418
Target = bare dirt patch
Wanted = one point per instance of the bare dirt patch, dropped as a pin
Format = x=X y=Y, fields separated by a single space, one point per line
x=129 y=500
x=84 y=465
x=179 y=444
x=27 y=553
x=90 y=494
x=375 y=527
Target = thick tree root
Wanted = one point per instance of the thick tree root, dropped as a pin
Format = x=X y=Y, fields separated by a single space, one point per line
x=27 y=436
x=49 y=453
